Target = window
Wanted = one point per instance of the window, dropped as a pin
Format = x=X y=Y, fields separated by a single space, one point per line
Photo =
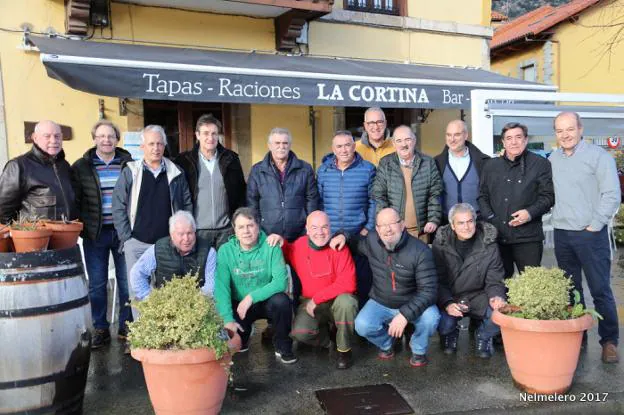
x=376 y=6
x=529 y=73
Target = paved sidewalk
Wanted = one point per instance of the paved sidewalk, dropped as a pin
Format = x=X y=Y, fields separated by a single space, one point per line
x=456 y=384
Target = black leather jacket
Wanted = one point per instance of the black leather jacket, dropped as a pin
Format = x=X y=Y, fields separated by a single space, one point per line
x=37 y=184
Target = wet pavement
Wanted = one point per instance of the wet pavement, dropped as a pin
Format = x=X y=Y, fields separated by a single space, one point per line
x=456 y=384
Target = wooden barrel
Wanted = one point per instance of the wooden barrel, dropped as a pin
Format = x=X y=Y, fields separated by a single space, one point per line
x=45 y=341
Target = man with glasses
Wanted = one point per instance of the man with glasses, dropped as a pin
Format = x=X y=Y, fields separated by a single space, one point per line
x=374 y=143
x=328 y=283
x=405 y=287
x=96 y=174
x=470 y=277
x=409 y=182
x=216 y=181
x=516 y=190
x=38 y=183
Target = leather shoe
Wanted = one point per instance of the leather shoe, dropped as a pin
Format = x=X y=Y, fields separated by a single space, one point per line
x=609 y=353
x=345 y=360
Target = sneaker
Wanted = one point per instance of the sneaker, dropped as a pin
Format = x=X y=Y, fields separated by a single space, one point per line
x=101 y=337
x=485 y=349
x=345 y=360
x=385 y=354
x=244 y=347
x=122 y=334
x=609 y=353
x=449 y=342
x=286 y=357
x=418 y=360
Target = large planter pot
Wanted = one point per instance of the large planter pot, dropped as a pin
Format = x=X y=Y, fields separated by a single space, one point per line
x=186 y=381
x=542 y=354
x=30 y=241
x=64 y=234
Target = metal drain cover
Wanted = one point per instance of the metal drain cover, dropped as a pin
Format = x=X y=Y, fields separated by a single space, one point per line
x=381 y=399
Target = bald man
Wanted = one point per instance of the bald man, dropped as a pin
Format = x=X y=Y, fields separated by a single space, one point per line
x=459 y=164
x=38 y=183
x=328 y=283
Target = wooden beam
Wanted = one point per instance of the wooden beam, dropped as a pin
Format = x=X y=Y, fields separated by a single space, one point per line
x=323 y=6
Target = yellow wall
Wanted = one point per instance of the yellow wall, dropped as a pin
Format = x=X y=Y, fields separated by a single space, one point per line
x=509 y=65
x=585 y=64
x=30 y=95
x=464 y=11
x=433 y=130
x=374 y=43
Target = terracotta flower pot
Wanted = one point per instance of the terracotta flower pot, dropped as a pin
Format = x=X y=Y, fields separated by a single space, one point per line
x=30 y=241
x=542 y=354
x=5 y=239
x=64 y=234
x=186 y=381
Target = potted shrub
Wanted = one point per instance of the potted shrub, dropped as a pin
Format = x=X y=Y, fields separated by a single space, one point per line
x=64 y=233
x=29 y=235
x=5 y=238
x=542 y=333
x=185 y=350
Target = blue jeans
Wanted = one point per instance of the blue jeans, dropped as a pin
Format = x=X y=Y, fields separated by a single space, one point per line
x=373 y=320
x=487 y=329
x=96 y=258
x=586 y=251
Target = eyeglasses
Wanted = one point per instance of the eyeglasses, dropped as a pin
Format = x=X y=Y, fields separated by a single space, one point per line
x=110 y=137
x=403 y=141
x=378 y=123
x=388 y=225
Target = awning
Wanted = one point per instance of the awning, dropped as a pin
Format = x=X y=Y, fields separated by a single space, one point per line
x=149 y=72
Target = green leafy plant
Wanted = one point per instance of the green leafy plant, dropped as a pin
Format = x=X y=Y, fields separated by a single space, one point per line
x=178 y=316
x=540 y=293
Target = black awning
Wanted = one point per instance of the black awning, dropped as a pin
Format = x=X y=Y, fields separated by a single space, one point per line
x=149 y=72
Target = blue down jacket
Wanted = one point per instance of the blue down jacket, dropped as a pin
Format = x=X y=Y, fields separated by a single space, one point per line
x=346 y=196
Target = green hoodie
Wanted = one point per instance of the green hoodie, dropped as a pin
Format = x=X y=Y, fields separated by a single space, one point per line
x=259 y=272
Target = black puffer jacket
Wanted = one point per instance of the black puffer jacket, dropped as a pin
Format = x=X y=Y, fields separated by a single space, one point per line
x=231 y=170
x=36 y=184
x=404 y=278
x=508 y=186
x=89 y=193
x=283 y=208
x=479 y=277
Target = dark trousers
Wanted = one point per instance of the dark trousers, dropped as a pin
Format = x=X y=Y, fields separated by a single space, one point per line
x=364 y=278
x=487 y=329
x=278 y=309
x=97 y=254
x=588 y=252
x=216 y=237
x=526 y=254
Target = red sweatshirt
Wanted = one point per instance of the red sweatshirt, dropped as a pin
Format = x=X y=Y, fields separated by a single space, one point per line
x=324 y=274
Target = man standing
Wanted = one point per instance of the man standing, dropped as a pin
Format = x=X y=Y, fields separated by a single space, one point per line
x=516 y=190
x=470 y=273
x=345 y=182
x=409 y=182
x=405 y=288
x=147 y=193
x=282 y=188
x=328 y=282
x=180 y=253
x=95 y=176
x=374 y=143
x=38 y=183
x=250 y=284
x=216 y=182
x=460 y=164
x=588 y=195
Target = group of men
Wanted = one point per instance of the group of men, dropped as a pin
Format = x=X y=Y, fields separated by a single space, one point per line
x=380 y=197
